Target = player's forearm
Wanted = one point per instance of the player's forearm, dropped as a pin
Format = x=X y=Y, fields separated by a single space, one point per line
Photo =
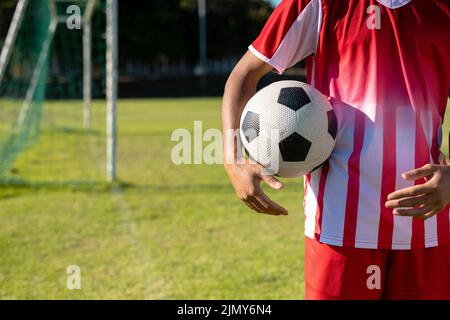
x=240 y=87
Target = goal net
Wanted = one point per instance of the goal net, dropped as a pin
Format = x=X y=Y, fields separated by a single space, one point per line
x=53 y=85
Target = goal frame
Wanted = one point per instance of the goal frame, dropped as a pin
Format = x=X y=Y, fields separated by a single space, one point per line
x=111 y=67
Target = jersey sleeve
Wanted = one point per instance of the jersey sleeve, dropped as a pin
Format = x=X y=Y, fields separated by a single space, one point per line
x=290 y=35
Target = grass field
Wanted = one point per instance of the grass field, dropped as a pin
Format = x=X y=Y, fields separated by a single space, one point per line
x=166 y=231
x=163 y=232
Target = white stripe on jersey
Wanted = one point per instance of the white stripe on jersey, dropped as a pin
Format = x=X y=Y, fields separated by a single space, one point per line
x=431 y=239
x=405 y=154
x=312 y=190
x=426 y=119
x=371 y=167
x=333 y=217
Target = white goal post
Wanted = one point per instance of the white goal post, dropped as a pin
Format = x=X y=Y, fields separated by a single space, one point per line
x=11 y=36
x=87 y=63
x=111 y=66
x=111 y=86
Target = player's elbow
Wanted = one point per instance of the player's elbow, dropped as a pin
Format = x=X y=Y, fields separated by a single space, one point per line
x=248 y=71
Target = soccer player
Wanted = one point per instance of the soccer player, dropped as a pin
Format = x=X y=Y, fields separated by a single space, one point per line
x=377 y=213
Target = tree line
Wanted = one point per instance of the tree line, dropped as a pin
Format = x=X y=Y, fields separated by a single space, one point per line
x=168 y=29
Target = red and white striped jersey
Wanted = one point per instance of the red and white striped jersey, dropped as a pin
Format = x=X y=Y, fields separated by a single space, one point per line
x=386 y=66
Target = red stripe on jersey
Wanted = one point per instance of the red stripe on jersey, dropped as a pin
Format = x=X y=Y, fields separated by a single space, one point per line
x=320 y=196
x=278 y=25
x=351 y=208
x=388 y=176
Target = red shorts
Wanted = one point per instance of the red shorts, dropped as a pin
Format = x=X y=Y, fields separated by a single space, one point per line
x=351 y=273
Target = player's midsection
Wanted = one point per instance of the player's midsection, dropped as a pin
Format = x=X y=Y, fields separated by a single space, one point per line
x=395 y=142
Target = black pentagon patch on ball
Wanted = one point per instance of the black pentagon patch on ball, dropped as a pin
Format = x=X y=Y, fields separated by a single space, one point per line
x=293 y=98
x=294 y=148
x=250 y=126
x=332 y=123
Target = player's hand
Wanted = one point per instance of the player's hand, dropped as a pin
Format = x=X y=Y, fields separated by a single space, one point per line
x=425 y=200
x=246 y=180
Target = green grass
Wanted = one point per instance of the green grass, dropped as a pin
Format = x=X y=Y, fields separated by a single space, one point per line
x=163 y=232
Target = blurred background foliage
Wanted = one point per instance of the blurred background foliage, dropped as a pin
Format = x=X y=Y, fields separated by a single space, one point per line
x=168 y=29
x=159 y=43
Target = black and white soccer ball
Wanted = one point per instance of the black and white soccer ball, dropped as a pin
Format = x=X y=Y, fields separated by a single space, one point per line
x=289 y=128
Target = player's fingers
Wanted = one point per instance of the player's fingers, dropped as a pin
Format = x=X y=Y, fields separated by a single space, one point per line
x=411 y=191
x=419 y=173
x=428 y=215
x=409 y=202
x=271 y=206
x=273 y=182
x=256 y=204
x=414 y=212
x=263 y=207
x=248 y=204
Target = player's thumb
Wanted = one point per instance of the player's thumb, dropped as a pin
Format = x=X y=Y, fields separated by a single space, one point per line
x=273 y=182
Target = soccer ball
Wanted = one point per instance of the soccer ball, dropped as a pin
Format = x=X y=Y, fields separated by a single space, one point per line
x=289 y=128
